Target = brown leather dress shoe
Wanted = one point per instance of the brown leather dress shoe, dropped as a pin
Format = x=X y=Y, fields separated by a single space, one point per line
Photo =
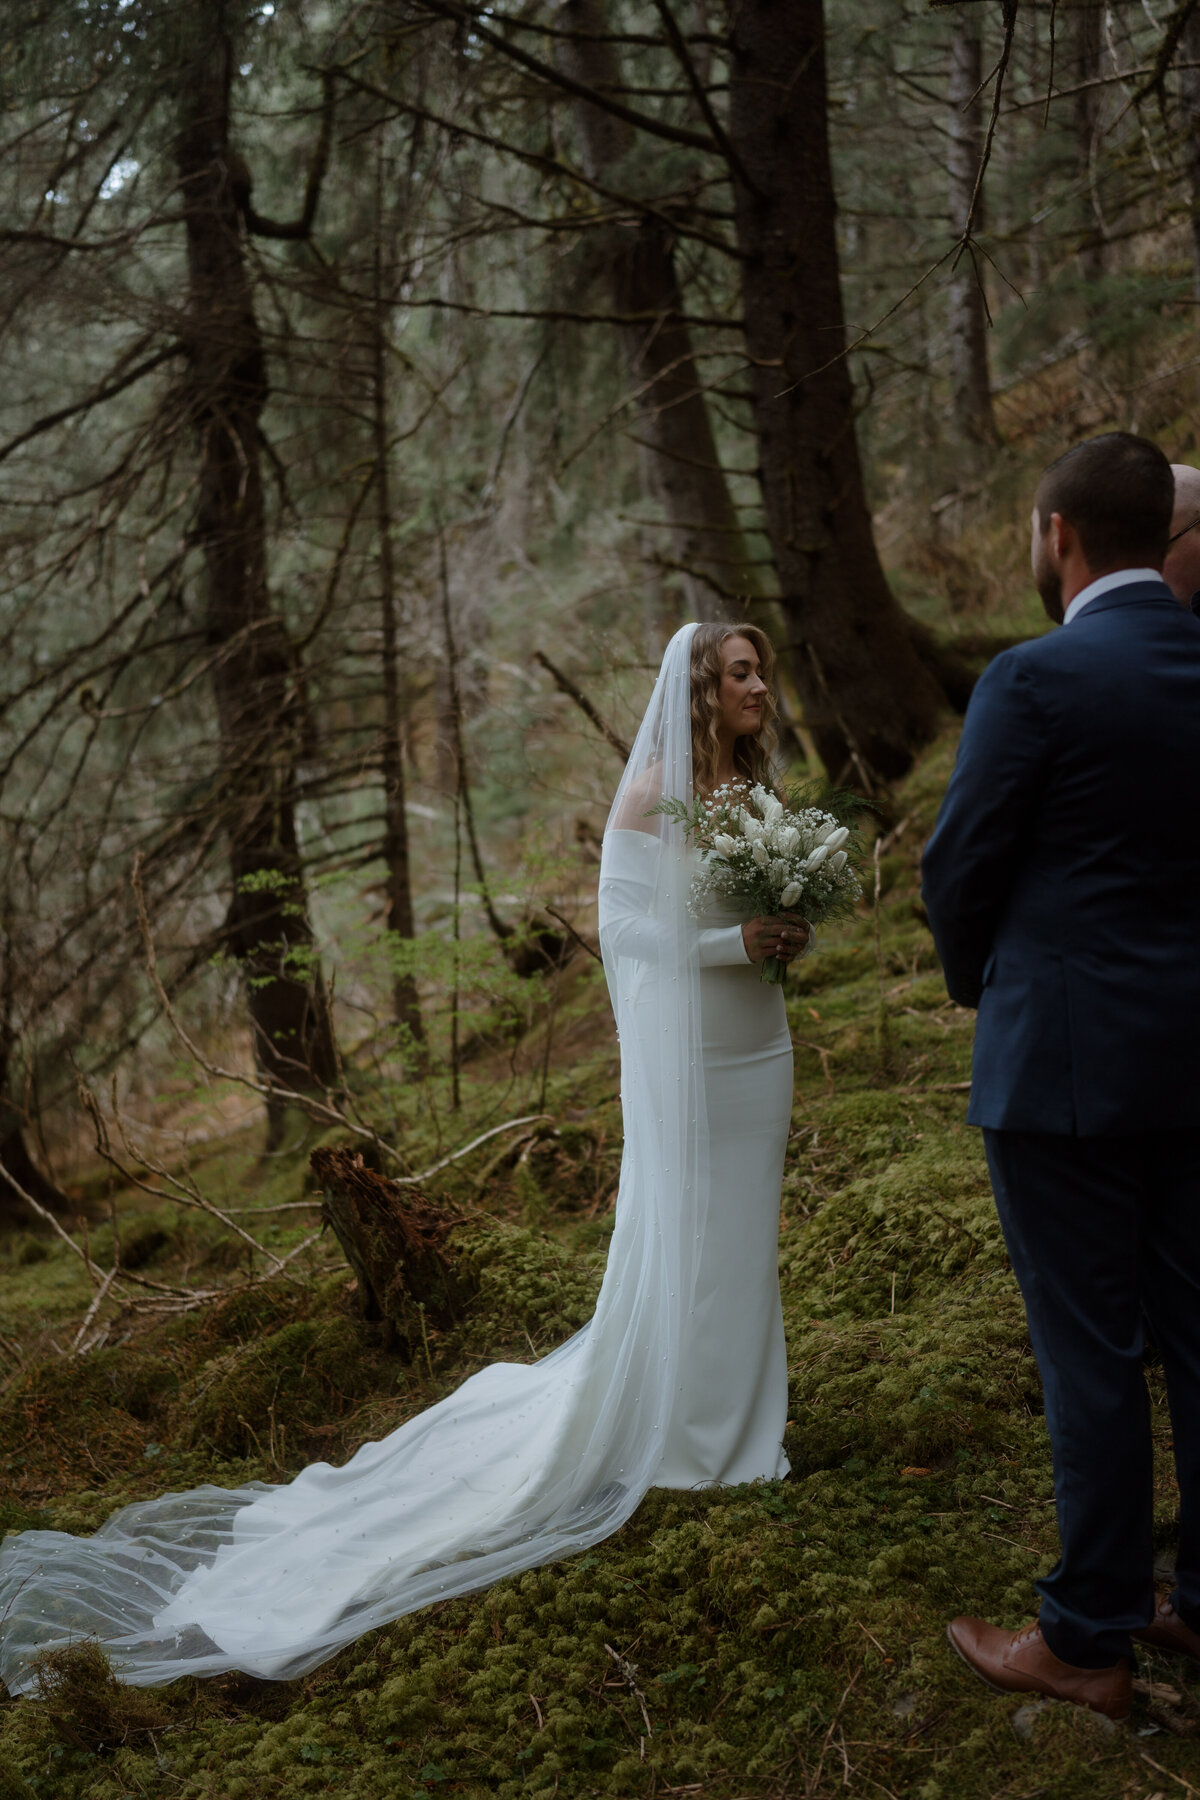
x=1167 y=1631
x=1022 y=1662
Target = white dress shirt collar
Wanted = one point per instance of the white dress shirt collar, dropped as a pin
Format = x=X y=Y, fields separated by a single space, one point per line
x=1102 y=585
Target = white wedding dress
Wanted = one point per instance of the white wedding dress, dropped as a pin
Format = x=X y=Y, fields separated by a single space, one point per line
x=678 y=1380
x=731 y=1407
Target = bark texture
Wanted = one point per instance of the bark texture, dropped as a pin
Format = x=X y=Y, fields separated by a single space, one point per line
x=405 y=1001
x=1087 y=49
x=397 y=1243
x=970 y=382
x=869 y=700
x=682 y=461
x=258 y=696
x=16 y=1160
x=1189 y=93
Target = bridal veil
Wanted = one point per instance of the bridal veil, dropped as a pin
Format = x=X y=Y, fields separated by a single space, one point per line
x=524 y=1463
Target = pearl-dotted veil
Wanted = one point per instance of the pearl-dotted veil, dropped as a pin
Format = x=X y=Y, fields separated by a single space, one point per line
x=524 y=1463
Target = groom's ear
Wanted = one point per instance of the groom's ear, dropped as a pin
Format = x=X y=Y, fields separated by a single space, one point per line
x=1061 y=537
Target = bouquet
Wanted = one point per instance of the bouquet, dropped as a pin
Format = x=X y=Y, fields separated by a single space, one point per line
x=773 y=856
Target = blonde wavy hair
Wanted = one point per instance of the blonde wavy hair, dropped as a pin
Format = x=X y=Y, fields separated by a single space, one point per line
x=752 y=756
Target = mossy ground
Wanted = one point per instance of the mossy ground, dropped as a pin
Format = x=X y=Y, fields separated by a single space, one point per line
x=776 y=1640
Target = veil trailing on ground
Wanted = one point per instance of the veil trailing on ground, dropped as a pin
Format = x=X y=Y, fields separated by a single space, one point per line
x=524 y=1463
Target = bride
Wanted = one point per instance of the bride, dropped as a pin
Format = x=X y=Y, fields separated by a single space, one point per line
x=679 y=1380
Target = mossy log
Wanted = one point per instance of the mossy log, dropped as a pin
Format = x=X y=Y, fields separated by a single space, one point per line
x=397 y=1241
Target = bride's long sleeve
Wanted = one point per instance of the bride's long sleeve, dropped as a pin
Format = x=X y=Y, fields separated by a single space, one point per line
x=629 y=874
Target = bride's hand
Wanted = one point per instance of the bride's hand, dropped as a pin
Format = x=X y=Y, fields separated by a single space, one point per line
x=781 y=936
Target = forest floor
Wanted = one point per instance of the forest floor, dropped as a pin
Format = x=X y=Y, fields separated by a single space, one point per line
x=781 y=1639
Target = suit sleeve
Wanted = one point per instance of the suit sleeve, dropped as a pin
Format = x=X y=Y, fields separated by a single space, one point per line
x=990 y=806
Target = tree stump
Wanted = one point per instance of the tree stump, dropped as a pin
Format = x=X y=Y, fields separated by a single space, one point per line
x=396 y=1240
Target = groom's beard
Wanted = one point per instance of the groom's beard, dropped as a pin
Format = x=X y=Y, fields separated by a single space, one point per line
x=1049 y=585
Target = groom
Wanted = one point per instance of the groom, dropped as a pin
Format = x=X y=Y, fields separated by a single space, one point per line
x=1063 y=887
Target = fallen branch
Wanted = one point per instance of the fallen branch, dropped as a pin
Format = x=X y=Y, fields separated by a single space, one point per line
x=185 y=1194
x=823 y=1053
x=284 y=1206
x=629 y=1674
x=98 y=1300
x=1169 y=1773
x=43 y=1213
x=455 y=1155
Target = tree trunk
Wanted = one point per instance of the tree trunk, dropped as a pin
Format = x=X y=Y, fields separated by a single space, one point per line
x=258 y=704
x=15 y=1159
x=869 y=701
x=17 y=1162
x=1189 y=86
x=1087 y=52
x=682 y=461
x=970 y=385
x=710 y=551
x=397 y=1243
x=395 y=850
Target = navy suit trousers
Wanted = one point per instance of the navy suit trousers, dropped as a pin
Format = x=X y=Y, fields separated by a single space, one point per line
x=1104 y=1238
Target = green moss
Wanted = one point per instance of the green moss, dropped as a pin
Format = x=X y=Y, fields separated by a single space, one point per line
x=307 y=1373
x=13 y=1786
x=108 y=1402
x=250 y=1313
x=784 y=1638
x=87 y=1708
x=531 y=1293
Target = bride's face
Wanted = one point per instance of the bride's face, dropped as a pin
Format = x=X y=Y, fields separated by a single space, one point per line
x=742 y=691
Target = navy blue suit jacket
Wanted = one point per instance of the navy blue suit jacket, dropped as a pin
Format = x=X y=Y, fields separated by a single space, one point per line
x=1063 y=879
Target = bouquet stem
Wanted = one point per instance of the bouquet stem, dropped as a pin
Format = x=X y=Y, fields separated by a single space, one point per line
x=773 y=970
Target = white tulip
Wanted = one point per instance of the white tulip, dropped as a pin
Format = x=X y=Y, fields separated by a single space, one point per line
x=758 y=851
x=769 y=805
x=816 y=857
x=824 y=832
x=790 y=894
x=724 y=845
x=838 y=860
x=837 y=838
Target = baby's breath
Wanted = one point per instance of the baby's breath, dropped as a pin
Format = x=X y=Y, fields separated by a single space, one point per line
x=770 y=855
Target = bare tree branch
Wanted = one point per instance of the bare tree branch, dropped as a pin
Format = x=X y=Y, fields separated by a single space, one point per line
x=568 y=687
x=302 y=227
x=674 y=134
x=1010 y=9
x=97 y=397
x=684 y=59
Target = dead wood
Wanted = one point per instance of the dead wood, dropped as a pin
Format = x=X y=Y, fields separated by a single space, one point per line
x=397 y=1241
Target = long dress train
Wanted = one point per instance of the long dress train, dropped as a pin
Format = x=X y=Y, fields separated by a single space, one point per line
x=678 y=1379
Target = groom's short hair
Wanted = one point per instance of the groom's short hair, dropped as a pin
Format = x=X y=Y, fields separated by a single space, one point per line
x=1118 y=492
